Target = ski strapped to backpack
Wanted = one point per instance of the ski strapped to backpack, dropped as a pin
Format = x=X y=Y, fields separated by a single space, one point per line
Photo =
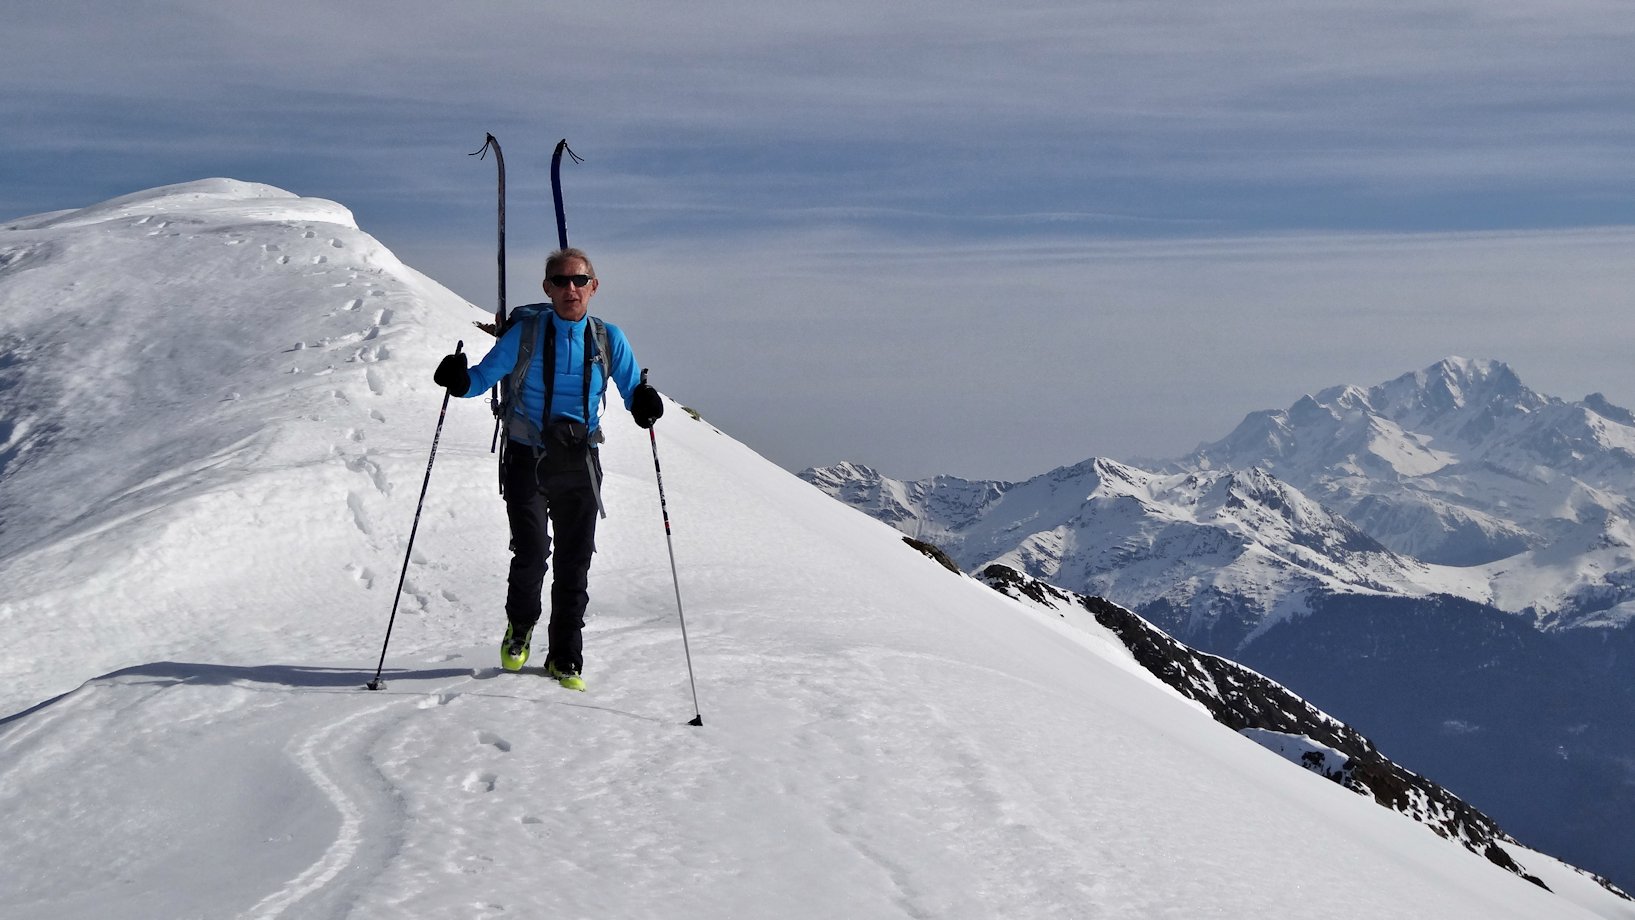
x=518 y=426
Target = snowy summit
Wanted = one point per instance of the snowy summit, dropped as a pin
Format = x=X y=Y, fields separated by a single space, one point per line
x=217 y=406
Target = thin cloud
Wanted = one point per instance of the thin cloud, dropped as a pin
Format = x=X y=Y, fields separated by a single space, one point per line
x=1055 y=350
x=1100 y=206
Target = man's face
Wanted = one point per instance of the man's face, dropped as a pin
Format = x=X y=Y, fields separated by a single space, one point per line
x=569 y=300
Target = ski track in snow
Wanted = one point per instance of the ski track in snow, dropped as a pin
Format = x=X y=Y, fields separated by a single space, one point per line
x=321 y=757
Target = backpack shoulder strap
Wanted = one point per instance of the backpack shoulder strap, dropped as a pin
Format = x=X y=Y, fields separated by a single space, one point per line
x=511 y=402
x=604 y=357
x=596 y=353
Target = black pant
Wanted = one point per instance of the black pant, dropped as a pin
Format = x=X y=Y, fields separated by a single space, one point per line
x=551 y=487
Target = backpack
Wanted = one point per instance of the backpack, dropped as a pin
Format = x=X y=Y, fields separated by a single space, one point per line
x=509 y=409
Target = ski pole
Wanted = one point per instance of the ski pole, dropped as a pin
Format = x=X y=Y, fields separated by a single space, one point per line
x=664 y=508
x=376 y=684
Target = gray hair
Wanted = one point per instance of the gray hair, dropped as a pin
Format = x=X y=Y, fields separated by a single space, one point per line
x=555 y=260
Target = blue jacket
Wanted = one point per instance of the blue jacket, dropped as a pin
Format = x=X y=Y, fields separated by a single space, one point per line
x=567 y=393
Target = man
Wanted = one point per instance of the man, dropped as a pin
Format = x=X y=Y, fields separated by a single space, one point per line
x=549 y=470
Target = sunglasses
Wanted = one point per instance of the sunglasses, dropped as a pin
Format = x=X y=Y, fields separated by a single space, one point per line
x=563 y=281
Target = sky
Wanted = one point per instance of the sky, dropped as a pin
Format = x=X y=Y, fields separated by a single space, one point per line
x=928 y=237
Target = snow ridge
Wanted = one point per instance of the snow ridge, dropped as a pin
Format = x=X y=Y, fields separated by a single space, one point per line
x=1276 y=718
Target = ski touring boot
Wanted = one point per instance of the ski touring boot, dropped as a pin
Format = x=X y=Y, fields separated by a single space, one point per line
x=567 y=677
x=514 y=649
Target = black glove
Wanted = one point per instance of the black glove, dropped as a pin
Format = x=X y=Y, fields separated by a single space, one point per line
x=452 y=373
x=646 y=405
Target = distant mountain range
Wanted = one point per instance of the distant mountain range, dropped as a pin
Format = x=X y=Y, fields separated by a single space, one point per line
x=1385 y=552
x=1452 y=480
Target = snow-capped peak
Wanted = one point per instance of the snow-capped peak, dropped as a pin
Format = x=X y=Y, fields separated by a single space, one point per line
x=196 y=203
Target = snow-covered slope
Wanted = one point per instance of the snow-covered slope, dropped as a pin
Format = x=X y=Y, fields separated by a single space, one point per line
x=1276 y=718
x=206 y=529
x=1344 y=527
x=183 y=370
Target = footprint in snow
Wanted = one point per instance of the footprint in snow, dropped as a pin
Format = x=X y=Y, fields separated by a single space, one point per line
x=361 y=574
x=360 y=517
x=373 y=470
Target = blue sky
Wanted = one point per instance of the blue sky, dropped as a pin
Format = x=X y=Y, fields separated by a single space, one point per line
x=943 y=237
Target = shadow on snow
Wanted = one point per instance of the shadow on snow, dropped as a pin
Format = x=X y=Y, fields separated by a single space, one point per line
x=295 y=677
